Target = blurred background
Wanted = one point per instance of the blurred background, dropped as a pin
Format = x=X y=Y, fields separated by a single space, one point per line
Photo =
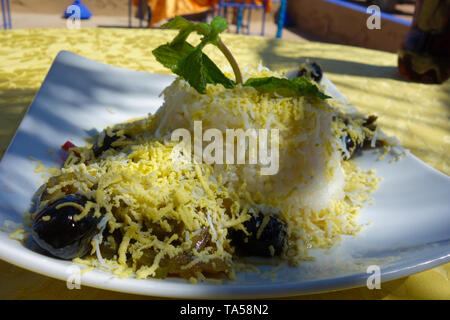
x=333 y=21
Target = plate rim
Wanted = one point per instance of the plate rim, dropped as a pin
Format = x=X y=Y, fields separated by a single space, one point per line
x=168 y=289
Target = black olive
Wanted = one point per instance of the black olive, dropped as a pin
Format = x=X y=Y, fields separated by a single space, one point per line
x=258 y=243
x=56 y=231
x=351 y=146
x=105 y=142
x=311 y=70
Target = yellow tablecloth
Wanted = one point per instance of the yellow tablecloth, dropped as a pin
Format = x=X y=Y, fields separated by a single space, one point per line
x=417 y=114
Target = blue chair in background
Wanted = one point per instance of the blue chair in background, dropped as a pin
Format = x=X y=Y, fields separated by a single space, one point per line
x=6 y=14
x=241 y=6
x=282 y=17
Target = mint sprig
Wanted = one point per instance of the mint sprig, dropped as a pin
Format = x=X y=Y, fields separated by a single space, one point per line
x=194 y=66
x=190 y=62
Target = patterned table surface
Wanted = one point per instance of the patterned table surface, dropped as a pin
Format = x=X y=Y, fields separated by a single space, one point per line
x=417 y=114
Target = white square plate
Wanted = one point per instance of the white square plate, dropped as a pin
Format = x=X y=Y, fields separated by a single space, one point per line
x=410 y=221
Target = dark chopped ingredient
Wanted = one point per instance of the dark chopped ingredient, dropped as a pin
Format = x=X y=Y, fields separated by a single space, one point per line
x=311 y=70
x=352 y=147
x=106 y=141
x=262 y=236
x=370 y=123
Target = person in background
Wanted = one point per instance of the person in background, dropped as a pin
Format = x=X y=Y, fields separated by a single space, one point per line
x=425 y=52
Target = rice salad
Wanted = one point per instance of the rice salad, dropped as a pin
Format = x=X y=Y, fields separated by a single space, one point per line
x=163 y=215
x=137 y=203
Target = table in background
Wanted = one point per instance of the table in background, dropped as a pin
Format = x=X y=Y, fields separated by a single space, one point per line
x=417 y=114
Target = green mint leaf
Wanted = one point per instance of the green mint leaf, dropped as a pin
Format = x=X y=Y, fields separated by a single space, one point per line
x=219 y=24
x=202 y=28
x=287 y=87
x=182 y=36
x=191 y=68
x=178 y=23
x=283 y=87
x=190 y=62
x=170 y=56
x=308 y=88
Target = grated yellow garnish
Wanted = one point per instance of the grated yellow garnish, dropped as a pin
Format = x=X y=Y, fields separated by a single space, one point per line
x=84 y=212
x=19 y=235
x=70 y=204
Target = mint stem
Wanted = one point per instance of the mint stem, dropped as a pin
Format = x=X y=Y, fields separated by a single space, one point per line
x=231 y=60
